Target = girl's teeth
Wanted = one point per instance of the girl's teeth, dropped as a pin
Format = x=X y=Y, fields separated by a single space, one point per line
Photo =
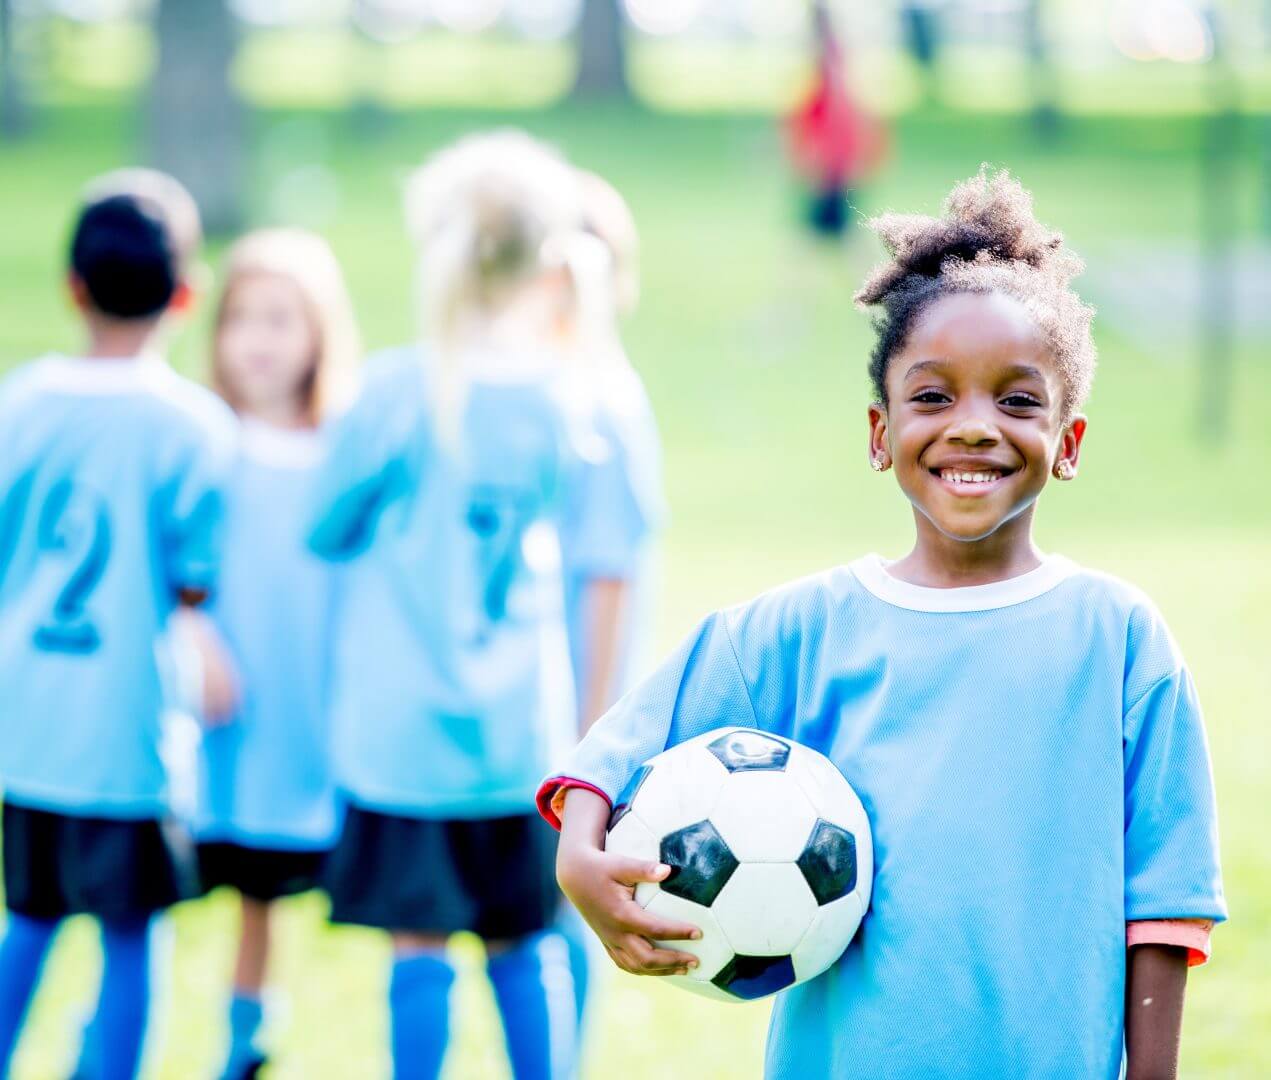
x=969 y=478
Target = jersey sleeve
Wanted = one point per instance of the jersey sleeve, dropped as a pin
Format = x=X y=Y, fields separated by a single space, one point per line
x=365 y=466
x=195 y=507
x=1171 y=821
x=613 y=504
x=698 y=688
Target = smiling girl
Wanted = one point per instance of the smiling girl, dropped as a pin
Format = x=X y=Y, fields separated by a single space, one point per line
x=1023 y=732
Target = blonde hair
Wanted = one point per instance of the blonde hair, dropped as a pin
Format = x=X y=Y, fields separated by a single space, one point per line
x=487 y=215
x=307 y=260
x=607 y=216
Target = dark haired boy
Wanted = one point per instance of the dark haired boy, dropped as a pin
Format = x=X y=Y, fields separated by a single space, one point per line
x=110 y=468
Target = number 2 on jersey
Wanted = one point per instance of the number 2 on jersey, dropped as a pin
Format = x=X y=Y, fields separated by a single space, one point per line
x=73 y=529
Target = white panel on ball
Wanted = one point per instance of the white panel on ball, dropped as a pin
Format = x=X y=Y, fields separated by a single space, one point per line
x=712 y=949
x=680 y=789
x=765 y=909
x=832 y=929
x=763 y=816
x=631 y=837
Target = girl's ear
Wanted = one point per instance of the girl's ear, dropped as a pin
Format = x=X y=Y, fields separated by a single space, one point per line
x=879 y=452
x=1065 y=467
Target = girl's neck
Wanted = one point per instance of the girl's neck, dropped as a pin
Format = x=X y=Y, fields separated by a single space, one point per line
x=289 y=416
x=942 y=562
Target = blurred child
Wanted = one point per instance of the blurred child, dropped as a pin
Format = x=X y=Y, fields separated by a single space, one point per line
x=627 y=487
x=111 y=469
x=285 y=341
x=1023 y=733
x=453 y=479
x=606 y=289
x=834 y=143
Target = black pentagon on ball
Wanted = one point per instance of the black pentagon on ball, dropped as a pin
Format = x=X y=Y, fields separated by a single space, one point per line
x=742 y=751
x=750 y=977
x=828 y=862
x=700 y=860
x=623 y=804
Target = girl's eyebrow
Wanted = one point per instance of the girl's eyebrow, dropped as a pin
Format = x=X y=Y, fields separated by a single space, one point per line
x=1026 y=371
x=925 y=365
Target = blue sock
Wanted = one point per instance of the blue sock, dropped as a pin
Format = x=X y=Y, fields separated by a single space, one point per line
x=22 y=952
x=116 y=1035
x=578 y=938
x=533 y=987
x=245 y=1014
x=419 y=999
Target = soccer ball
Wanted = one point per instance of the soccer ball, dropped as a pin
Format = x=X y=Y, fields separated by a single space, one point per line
x=770 y=857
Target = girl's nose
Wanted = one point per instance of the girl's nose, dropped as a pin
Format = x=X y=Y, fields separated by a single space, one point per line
x=972 y=431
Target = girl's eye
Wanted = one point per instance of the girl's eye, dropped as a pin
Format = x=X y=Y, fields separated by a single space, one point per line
x=930 y=397
x=1020 y=401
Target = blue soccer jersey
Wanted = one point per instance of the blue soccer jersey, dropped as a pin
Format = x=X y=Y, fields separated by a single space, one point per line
x=265 y=778
x=629 y=501
x=111 y=477
x=1033 y=762
x=452 y=682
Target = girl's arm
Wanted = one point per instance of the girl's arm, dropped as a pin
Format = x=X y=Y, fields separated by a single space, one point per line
x=605 y=603
x=602 y=887
x=1156 y=977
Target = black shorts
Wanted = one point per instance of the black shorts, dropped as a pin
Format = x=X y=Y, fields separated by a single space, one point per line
x=259 y=873
x=493 y=876
x=57 y=865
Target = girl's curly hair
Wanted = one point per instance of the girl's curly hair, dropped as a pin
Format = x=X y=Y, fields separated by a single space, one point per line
x=987 y=240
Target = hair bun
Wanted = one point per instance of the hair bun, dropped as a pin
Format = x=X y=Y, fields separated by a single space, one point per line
x=988 y=218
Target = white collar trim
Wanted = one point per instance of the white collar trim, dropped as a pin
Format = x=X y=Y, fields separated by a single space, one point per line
x=102 y=375
x=871 y=572
x=281 y=448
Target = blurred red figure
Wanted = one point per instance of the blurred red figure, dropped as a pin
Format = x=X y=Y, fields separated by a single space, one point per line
x=833 y=142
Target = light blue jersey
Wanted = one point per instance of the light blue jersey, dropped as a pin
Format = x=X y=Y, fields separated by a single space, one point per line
x=630 y=501
x=111 y=475
x=453 y=688
x=1033 y=762
x=265 y=777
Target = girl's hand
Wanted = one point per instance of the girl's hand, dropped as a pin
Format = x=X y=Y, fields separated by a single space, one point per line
x=601 y=885
x=219 y=694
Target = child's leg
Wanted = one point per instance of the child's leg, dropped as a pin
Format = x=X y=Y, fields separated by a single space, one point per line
x=22 y=952
x=419 y=1000
x=246 y=1010
x=582 y=945
x=116 y=1035
x=534 y=989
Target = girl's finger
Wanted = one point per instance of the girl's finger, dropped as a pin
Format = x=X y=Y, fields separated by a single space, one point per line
x=653 y=960
x=633 y=871
x=638 y=921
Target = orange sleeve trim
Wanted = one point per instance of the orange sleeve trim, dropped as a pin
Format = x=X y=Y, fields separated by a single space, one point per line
x=1190 y=934
x=551 y=797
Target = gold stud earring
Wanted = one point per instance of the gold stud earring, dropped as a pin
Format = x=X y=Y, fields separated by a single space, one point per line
x=1063 y=470
x=878 y=464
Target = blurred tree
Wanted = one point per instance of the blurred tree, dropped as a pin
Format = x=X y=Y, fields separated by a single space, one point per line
x=14 y=109
x=1218 y=226
x=196 y=122
x=602 y=51
x=1042 y=71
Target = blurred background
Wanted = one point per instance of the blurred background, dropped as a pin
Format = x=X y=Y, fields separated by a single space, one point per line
x=1143 y=128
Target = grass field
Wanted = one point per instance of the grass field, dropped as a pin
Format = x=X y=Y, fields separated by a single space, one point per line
x=754 y=357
